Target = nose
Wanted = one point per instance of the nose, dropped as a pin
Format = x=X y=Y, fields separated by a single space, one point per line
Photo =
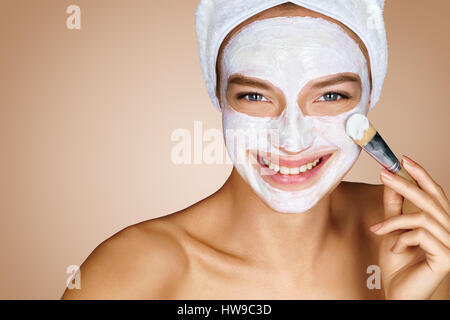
x=295 y=132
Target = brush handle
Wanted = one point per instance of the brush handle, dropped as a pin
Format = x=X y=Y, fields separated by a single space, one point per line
x=408 y=206
x=381 y=152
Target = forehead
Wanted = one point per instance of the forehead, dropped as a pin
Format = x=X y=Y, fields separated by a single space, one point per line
x=292 y=48
x=289 y=10
x=290 y=38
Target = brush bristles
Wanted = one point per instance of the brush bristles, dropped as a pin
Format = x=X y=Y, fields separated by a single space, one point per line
x=368 y=135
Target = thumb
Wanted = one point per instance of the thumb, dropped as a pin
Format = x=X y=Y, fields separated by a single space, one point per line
x=393 y=202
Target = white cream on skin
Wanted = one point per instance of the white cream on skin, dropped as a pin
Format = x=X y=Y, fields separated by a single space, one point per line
x=357 y=124
x=289 y=52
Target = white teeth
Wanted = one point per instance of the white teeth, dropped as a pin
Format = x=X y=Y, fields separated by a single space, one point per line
x=286 y=170
x=294 y=170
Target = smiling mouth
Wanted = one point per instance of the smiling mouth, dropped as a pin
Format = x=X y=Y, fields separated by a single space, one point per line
x=287 y=173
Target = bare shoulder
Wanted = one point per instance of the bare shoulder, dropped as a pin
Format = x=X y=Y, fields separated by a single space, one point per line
x=142 y=261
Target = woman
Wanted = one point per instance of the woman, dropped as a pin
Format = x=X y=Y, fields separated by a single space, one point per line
x=284 y=225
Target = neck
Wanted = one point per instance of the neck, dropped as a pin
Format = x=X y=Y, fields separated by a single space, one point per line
x=262 y=234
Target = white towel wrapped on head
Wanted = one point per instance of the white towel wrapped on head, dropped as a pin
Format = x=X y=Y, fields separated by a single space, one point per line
x=214 y=19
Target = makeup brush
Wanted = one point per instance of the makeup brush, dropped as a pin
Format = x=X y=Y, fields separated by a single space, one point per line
x=364 y=134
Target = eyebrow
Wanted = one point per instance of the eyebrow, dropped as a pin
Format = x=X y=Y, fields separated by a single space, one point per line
x=335 y=80
x=241 y=80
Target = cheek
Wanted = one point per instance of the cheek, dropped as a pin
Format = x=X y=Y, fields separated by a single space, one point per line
x=330 y=131
x=243 y=132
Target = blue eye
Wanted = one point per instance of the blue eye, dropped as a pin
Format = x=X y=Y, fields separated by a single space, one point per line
x=332 y=96
x=253 y=97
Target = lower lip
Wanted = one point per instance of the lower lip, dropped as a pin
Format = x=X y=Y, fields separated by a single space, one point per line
x=295 y=179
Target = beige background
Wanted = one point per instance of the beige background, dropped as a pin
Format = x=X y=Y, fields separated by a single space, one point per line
x=86 y=119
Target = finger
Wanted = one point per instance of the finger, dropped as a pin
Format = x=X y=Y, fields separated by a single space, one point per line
x=426 y=182
x=392 y=202
x=437 y=255
x=414 y=221
x=417 y=196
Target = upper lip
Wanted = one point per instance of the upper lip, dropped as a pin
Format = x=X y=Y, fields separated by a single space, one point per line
x=292 y=162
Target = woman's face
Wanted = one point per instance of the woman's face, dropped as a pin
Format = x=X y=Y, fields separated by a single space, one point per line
x=287 y=86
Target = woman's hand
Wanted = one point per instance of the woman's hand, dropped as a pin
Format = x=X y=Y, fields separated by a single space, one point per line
x=414 y=253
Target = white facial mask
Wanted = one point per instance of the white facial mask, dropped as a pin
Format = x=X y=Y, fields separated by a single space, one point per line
x=289 y=52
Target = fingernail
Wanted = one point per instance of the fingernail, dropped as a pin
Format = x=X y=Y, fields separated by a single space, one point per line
x=375 y=227
x=386 y=175
x=407 y=161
